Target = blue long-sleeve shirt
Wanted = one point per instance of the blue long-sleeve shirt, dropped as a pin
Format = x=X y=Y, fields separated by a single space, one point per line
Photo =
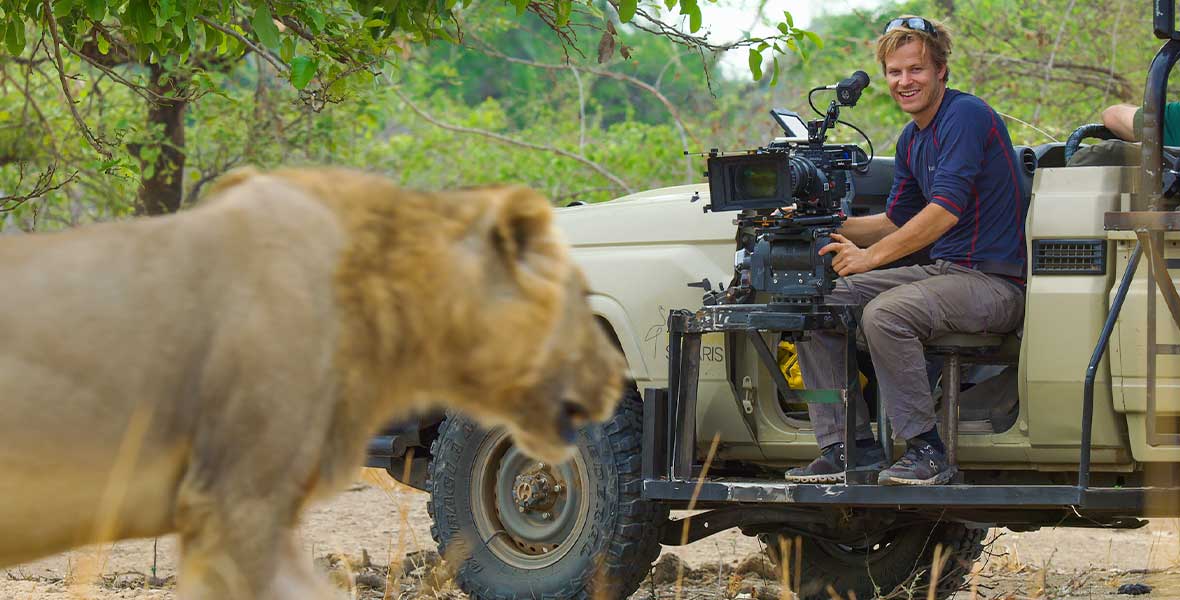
x=963 y=161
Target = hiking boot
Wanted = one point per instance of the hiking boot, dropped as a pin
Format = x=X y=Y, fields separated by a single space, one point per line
x=921 y=464
x=829 y=466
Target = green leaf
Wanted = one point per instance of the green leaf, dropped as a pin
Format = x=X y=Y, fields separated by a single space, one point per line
x=164 y=12
x=264 y=28
x=96 y=9
x=317 y=20
x=756 y=64
x=783 y=29
x=790 y=20
x=562 y=17
x=694 y=19
x=521 y=6
x=375 y=23
x=669 y=4
x=62 y=8
x=14 y=37
x=287 y=53
x=815 y=39
x=303 y=69
x=627 y=10
x=774 y=73
x=104 y=45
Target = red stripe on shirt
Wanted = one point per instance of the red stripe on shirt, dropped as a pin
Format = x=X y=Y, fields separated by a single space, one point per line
x=1018 y=201
x=948 y=201
x=974 y=238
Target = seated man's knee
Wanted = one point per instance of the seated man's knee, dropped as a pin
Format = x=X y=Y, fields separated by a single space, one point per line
x=893 y=315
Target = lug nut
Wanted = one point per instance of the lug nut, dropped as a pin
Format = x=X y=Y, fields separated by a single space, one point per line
x=557 y=488
x=546 y=516
x=520 y=508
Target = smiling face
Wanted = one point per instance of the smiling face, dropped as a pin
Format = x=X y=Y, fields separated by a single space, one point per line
x=914 y=82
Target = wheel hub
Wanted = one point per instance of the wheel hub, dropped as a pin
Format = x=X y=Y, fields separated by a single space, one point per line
x=535 y=490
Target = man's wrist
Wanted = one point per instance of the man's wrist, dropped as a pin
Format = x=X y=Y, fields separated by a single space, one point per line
x=874 y=253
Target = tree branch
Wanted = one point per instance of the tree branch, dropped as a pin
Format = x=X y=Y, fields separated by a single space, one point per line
x=647 y=87
x=43 y=186
x=275 y=62
x=65 y=87
x=514 y=142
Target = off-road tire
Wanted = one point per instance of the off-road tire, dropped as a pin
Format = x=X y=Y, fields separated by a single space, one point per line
x=900 y=570
x=614 y=548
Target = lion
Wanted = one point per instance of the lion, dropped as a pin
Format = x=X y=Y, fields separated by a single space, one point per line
x=211 y=372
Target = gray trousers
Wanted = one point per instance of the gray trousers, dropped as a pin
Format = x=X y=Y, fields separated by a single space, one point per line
x=902 y=308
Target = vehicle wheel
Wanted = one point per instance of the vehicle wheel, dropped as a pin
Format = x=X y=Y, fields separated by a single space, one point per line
x=898 y=559
x=525 y=529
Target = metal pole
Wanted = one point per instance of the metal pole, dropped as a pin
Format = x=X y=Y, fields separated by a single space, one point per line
x=1150 y=196
x=1092 y=370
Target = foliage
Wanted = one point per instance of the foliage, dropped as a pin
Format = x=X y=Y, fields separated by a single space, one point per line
x=177 y=58
x=476 y=109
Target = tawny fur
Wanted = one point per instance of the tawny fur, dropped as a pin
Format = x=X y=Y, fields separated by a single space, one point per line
x=257 y=342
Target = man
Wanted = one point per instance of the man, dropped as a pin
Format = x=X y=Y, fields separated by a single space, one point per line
x=955 y=185
x=1125 y=121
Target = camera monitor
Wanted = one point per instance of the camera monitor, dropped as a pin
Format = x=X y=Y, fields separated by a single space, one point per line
x=792 y=124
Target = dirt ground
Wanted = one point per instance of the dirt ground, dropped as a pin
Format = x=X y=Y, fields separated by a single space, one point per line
x=360 y=531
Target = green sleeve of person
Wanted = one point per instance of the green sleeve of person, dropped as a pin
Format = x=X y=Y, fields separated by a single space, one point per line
x=1171 y=123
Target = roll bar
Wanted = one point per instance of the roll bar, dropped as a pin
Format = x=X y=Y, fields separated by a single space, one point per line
x=1154 y=96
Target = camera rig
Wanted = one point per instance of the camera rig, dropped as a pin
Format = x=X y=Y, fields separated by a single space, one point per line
x=791 y=194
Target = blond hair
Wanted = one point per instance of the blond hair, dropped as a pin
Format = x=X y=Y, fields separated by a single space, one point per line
x=938 y=45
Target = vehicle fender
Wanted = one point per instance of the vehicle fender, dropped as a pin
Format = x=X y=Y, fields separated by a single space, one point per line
x=610 y=311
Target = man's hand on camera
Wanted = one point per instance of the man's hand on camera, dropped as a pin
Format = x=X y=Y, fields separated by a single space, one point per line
x=849 y=258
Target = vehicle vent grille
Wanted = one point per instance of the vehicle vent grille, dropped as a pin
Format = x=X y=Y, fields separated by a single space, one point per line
x=1069 y=257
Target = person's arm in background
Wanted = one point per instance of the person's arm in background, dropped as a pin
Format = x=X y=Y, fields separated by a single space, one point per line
x=868 y=230
x=1120 y=120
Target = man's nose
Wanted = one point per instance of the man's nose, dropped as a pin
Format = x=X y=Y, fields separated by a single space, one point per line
x=905 y=79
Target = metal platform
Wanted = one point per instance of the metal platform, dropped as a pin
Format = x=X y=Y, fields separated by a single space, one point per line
x=1129 y=501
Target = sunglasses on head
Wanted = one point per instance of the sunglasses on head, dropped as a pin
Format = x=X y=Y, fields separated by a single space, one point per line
x=915 y=23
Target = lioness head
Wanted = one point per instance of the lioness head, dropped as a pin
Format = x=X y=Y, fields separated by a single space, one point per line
x=465 y=300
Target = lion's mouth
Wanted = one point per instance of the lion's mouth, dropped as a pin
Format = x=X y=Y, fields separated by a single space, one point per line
x=570 y=418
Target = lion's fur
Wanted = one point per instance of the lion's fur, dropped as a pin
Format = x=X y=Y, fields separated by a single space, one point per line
x=265 y=336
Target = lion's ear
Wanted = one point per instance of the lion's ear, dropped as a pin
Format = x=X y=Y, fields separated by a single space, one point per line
x=231 y=179
x=523 y=224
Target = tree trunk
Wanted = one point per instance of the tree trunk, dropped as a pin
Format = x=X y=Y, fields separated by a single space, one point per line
x=163 y=191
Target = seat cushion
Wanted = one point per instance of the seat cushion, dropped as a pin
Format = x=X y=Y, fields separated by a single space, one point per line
x=967 y=340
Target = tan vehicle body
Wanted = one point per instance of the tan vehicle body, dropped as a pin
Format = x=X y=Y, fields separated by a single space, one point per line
x=640 y=252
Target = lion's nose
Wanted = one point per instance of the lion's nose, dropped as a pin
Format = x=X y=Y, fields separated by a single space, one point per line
x=570 y=418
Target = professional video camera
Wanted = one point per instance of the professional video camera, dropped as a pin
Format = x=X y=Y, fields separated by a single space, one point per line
x=793 y=193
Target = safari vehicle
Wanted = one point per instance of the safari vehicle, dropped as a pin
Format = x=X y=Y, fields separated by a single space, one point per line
x=1077 y=424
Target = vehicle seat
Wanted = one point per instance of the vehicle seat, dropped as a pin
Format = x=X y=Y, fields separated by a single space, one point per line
x=966 y=348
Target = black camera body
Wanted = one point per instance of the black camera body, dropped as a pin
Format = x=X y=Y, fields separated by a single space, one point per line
x=779 y=249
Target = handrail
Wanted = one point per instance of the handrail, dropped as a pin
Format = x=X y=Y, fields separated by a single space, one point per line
x=1092 y=370
x=1150 y=195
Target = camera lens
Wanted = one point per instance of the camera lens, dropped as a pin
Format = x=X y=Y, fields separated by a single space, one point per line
x=803 y=172
x=756 y=181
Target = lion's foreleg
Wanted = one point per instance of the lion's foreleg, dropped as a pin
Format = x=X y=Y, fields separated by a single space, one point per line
x=297 y=578
x=231 y=550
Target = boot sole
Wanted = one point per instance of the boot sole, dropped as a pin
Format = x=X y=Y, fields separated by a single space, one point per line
x=830 y=478
x=938 y=479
